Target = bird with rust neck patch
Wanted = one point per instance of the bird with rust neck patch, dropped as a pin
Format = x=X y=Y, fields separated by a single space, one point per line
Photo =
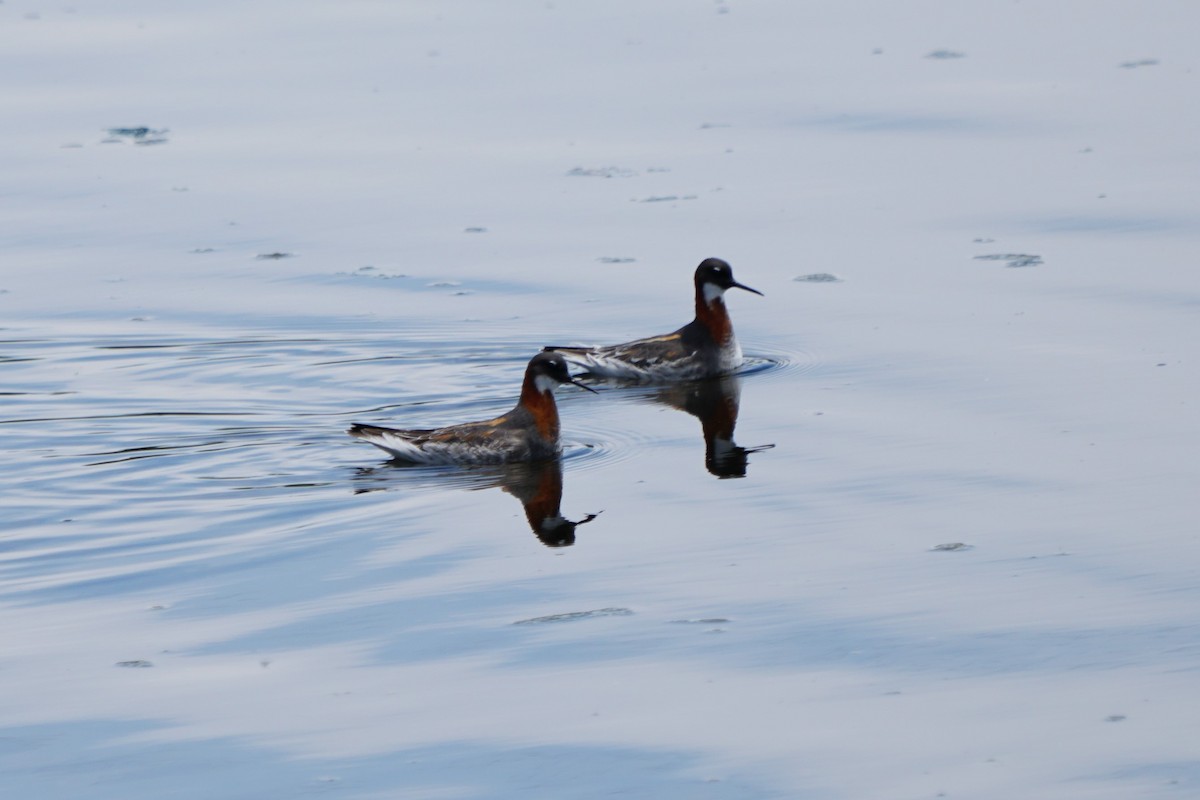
x=703 y=348
x=527 y=433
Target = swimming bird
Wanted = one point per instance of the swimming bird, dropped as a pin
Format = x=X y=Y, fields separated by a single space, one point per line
x=705 y=347
x=527 y=433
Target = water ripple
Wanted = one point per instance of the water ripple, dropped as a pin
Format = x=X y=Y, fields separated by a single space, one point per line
x=768 y=360
x=134 y=462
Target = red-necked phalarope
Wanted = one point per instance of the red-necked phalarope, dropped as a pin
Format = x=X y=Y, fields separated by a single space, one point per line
x=703 y=348
x=527 y=433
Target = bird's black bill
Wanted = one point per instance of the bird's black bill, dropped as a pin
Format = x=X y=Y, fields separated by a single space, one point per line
x=736 y=285
x=583 y=386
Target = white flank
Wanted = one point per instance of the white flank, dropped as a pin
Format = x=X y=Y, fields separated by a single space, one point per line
x=731 y=355
x=613 y=366
x=433 y=452
x=399 y=447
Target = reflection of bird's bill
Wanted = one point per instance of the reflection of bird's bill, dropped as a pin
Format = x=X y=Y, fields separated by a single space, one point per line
x=725 y=459
x=559 y=531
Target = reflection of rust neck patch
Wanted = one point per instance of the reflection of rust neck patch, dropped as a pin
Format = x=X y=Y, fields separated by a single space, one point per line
x=543 y=408
x=718 y=416
x=544 y=505
x=713 y=316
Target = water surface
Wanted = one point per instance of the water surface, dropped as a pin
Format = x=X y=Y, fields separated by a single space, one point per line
x=939 y=525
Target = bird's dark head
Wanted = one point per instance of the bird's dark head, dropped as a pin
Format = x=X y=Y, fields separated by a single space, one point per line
x=548 y=369
x=714 y=276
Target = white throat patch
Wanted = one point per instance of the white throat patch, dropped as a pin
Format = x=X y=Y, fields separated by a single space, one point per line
x=712 y=292
x=545 y=383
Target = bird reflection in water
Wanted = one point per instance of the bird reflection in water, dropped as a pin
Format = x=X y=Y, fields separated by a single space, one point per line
x=537 y=484
x=539 y=487
x=715 y=402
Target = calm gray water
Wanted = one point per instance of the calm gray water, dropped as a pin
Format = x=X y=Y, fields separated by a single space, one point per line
x=940 y=526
